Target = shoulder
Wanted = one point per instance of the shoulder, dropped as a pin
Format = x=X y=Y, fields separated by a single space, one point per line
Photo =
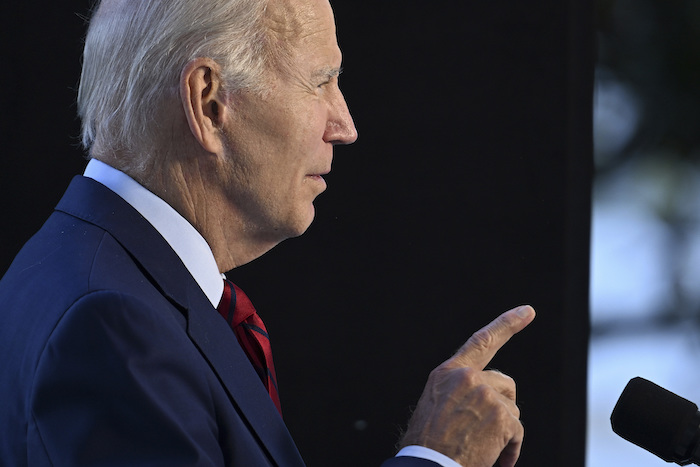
x=104 y=318
x=66 y=267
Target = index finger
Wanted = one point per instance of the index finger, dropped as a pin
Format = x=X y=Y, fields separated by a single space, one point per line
x=482 y=346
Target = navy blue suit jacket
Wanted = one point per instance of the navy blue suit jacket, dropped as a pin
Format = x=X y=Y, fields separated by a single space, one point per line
x=112 y=354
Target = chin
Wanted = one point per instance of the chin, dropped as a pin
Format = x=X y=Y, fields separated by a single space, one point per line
x=302 y=223
x=301 y=229
x=293 y=224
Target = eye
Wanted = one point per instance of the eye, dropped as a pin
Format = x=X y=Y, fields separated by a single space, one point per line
x=328 y=77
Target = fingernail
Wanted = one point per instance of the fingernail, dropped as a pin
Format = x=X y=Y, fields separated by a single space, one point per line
x=523 y=311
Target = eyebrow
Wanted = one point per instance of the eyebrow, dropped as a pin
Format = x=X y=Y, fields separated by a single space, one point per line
x=328 y=73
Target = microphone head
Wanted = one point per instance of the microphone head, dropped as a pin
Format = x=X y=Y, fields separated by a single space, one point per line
x=657 y=420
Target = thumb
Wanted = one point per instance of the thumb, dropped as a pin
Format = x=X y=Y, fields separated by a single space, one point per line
x=483 y=345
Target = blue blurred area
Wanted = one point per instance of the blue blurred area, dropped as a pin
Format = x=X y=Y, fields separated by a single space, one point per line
x=645 y=264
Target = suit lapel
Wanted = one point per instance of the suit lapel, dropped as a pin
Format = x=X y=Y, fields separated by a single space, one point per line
x=94 y=203
x=217 y=343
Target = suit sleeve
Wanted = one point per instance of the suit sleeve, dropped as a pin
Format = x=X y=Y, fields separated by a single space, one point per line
x=118 y=384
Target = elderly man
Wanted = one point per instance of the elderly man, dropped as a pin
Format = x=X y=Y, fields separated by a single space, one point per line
x=210 y=126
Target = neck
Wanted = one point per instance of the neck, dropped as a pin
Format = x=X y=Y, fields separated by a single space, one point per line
x=197 y=193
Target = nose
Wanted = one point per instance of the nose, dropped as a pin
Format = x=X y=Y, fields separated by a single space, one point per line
x=340 y=128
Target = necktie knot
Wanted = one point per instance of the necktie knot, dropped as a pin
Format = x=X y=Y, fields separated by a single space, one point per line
x=240 y=307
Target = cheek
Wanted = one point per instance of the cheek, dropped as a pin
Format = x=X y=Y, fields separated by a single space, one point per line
x=301 y=150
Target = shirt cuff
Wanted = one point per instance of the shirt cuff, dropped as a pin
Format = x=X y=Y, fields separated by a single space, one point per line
x=426 y=453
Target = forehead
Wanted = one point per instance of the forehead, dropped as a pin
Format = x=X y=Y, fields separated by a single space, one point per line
x=296 y=23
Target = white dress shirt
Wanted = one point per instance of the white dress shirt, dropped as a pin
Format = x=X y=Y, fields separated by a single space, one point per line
x=184 y=239
x=194 y=252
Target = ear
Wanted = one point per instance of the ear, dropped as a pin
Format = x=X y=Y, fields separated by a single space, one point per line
x=203 y=102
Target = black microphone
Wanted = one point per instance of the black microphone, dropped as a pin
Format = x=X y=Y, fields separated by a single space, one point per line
x=659 y=421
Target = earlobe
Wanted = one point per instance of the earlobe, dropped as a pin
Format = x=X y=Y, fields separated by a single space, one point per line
x=202 y=102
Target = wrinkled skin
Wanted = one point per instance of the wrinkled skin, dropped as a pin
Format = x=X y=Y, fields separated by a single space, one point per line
x=468 y=413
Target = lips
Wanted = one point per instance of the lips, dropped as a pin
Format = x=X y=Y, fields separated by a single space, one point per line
x=319 y=174
x=317 y=177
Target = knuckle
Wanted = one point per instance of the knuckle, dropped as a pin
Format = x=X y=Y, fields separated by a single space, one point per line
x=464 y=377
x=507 y=413
x=516 y=412
x=484 y=394
x=502 y=409
x=469 y=377
x=483 y=339
x=507 y=382
x=508 y=320
x=501 y=415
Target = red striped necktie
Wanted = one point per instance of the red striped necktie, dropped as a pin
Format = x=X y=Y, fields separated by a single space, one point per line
x=238 y=311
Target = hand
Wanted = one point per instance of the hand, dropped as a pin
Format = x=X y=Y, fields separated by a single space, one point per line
x=468 y=413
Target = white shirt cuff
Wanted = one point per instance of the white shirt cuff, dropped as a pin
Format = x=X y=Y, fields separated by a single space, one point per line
x=426 y=453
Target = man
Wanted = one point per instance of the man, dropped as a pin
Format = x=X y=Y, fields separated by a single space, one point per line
x=210 y=126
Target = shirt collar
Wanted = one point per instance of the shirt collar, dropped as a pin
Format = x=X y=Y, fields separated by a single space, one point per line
x=184 y=239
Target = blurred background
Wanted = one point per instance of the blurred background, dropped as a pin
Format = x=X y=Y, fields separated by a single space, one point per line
x=645 y=256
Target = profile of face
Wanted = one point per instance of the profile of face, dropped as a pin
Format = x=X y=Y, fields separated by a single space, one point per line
x=279 y=144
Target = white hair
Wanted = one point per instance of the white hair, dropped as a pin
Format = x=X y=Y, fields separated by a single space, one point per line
x=135 y=51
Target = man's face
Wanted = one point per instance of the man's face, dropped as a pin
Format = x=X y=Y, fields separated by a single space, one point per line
x=280 y=144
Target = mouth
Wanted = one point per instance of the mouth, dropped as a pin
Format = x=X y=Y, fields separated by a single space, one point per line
x=317 y=178
x=318 y=175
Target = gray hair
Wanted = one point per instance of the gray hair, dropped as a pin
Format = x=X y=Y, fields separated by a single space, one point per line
x=135 y=51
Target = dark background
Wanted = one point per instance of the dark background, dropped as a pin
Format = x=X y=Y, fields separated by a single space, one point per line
x=466 y=194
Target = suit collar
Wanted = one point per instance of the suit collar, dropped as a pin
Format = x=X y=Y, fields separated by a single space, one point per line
x=184 y=239
x=96 y=204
